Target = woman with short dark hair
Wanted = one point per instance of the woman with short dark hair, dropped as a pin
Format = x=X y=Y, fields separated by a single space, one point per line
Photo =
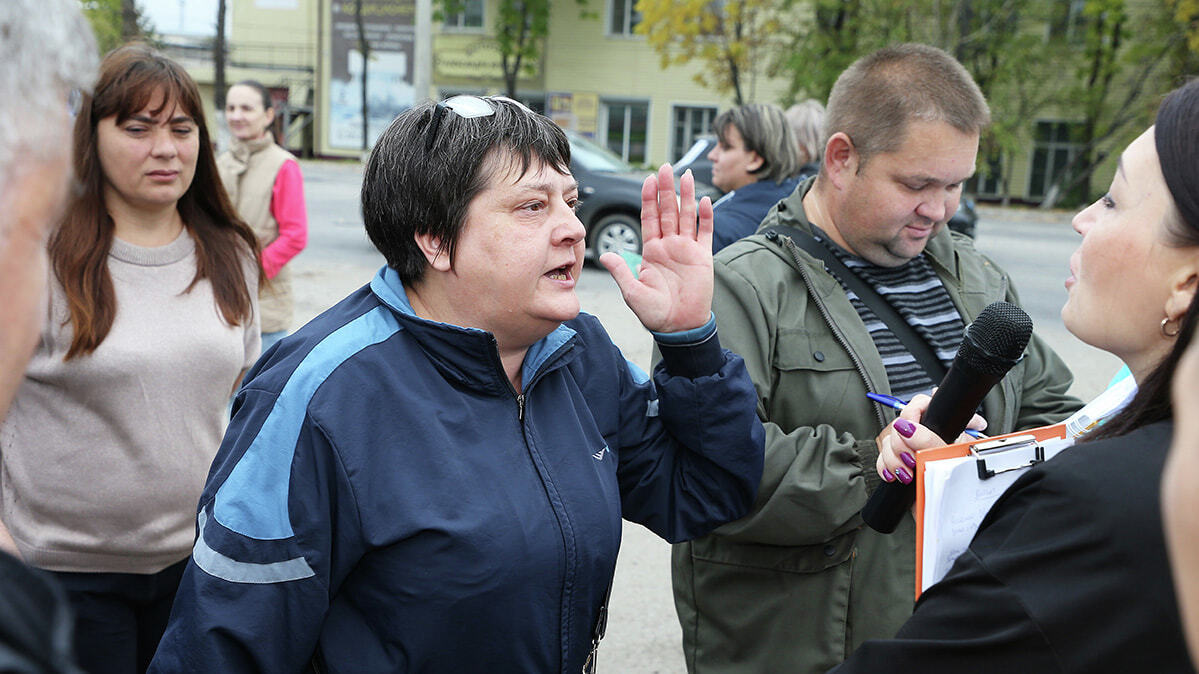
x=431 y=475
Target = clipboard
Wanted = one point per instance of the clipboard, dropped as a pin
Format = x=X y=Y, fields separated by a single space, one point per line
x=979 y=462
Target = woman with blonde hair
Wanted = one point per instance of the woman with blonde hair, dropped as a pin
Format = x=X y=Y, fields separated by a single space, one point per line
x=151 y=323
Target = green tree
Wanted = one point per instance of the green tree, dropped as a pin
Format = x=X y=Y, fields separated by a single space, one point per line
x=520 y=27
x=116 y=22
x=837 y=32
x=1119 y=74
x=731 y=38
x=1186 y=13
x=1004 y=46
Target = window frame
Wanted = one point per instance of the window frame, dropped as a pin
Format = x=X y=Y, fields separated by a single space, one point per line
x=459 y=27
x=677 y=149
x=605 y=125
x=629 y=21
x=1051 y=146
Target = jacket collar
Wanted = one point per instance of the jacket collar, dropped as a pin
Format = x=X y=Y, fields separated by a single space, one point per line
x=470 y=355
x=241 y=150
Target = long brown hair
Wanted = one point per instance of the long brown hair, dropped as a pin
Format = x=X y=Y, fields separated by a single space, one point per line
x=130 y=77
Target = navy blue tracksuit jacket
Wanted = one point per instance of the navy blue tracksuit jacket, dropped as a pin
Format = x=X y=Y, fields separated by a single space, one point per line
x=384 y=501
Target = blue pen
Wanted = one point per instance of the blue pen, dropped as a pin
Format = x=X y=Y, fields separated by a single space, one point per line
x=896 y=403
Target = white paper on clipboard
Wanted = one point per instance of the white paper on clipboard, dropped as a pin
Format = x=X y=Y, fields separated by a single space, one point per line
x=956 y=500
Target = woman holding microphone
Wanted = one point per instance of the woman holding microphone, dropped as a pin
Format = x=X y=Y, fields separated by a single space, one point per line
x=1068 y=572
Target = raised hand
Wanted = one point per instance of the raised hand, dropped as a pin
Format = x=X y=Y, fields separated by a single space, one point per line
x=672 y=291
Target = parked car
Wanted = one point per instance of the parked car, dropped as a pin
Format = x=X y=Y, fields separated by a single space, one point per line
x=696 y=159
x=964 y=220
x=610 y=192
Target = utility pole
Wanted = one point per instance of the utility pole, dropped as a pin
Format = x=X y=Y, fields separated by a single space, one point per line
x=365 y=49
x=218 y=59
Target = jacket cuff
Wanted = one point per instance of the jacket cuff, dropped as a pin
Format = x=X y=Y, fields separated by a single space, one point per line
x=692 y=353
x=868 y=455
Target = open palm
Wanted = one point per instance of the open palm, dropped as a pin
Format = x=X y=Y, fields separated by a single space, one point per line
x=672 y=291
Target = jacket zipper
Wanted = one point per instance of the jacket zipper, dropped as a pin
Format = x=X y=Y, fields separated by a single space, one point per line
x=857 y=362
x=568 y=542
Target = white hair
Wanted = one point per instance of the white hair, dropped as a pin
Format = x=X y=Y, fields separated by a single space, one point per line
x=46 y=51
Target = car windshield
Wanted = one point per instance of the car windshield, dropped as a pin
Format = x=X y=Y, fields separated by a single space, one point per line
x=595 y=158
x=702 y=146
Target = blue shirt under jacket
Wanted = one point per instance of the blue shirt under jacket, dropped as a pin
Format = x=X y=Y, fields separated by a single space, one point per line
x=384 y=501
x=737 y=214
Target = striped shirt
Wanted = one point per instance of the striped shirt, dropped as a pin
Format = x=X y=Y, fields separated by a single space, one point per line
x=915 y=291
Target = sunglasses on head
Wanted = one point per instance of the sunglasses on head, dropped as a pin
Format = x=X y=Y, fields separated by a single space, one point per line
x=466 y=107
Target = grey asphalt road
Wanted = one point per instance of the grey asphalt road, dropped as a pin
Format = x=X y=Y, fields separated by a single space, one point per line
x=643 y=633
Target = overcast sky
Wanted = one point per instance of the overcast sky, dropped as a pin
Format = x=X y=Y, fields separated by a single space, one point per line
x=181 y=17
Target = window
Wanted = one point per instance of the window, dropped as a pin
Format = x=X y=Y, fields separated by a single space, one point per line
x=1055 y=146
x=623 y=129
x=988 y=181
x=688 y=124
x=470 y=18
x=1067 y=21
x=622 y=17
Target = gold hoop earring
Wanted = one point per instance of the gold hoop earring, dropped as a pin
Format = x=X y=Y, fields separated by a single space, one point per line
x=1167 y=335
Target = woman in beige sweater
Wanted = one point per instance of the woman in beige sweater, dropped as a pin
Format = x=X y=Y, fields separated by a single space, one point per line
x=151 y=321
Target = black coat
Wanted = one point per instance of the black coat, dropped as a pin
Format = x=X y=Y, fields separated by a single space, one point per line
x=1067 y=573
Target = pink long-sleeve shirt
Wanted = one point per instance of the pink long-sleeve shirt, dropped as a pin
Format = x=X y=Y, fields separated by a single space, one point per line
x=287 y=205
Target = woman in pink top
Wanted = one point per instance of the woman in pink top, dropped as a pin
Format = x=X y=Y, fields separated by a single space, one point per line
x=265 y=185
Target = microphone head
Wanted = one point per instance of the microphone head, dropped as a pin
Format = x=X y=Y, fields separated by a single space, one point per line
x=996 y=340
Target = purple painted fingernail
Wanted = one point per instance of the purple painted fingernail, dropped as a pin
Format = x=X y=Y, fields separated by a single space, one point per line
x=903 y=476
x=908 y=459
x=887 y=477
x=905 y=427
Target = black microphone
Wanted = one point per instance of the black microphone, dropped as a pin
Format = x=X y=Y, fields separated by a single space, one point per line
x=993 y=344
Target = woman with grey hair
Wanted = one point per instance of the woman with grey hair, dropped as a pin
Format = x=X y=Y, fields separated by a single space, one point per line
x=47 y=56
x=807 y=122
x=431 y=475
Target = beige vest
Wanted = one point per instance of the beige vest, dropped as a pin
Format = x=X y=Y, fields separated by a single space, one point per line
x=248 y=170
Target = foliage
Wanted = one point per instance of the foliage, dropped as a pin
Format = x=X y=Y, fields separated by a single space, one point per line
x=116 y=22
x=731 y=38
x=1186 y=13
x=1119 y=75
x=837 y=32
x=1030 y=58
x=519 y=28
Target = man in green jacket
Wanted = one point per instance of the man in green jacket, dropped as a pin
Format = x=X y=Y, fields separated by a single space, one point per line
x=796 y=585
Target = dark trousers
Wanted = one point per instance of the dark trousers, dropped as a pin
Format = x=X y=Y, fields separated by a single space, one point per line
x=120 y=617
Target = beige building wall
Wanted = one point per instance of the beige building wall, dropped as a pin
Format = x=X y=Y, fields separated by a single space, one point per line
x=582 y=56
x=582 y=67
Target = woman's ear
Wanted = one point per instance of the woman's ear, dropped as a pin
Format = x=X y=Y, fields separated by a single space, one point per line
x=756 y=162
x=1183 y=287
x=430 y=246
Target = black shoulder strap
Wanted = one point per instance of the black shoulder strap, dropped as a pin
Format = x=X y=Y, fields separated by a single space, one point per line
x=915 y=344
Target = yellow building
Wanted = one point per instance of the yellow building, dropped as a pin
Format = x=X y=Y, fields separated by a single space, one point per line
x=594 y=75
